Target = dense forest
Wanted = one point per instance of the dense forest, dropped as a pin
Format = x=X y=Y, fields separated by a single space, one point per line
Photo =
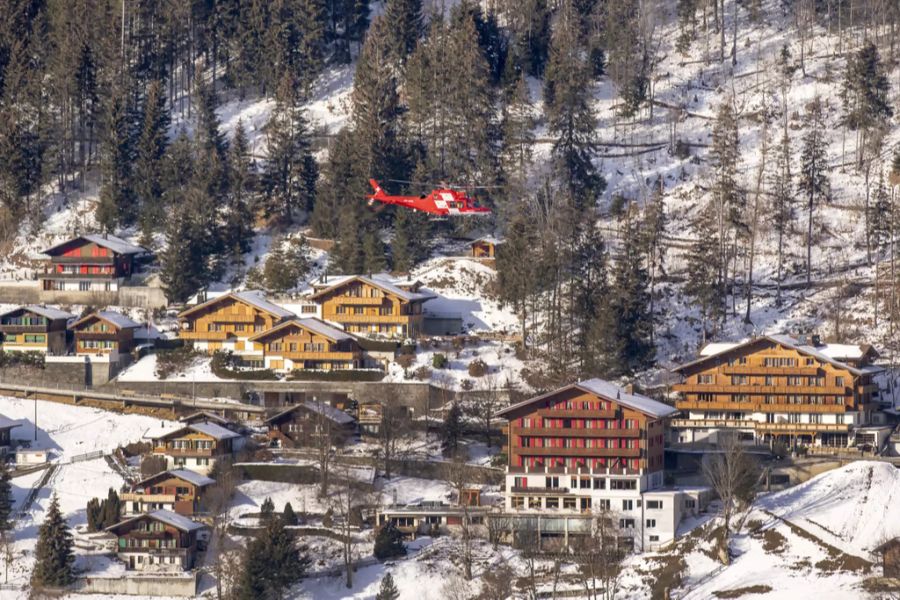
x=129 y=90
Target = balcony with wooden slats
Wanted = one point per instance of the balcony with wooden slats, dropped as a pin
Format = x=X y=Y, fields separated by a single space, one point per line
x=756 y=425
x=764 y=370
x=577 y=414
x=798 y=390
x=359 y=300
x=301 y=355
x=760 y=407
x=587 y=452
x=375 y=319
x=572 y=432
x=155 y=498
x=188 y=334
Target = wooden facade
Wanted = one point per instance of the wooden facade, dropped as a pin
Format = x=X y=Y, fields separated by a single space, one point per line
x=485 y=247
x=158 y=541
x=890 y=558
x=780 y=388
x=308 y=344
x=372 y=306
x=197 y=447
x=306 y=423
x=179 y=491
x=229 y=321
x=90 y=263
x=34 y=329
x=104 y=332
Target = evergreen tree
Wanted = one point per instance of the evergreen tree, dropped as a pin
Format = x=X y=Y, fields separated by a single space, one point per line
x=629 y=305
x=569 y=115
x=54 y=555
x=516 y=267
x=151 y=148
x=110 y=508
x=288 y=516
x=267 y=510
x=590 y=309
x=405 y=18
x=116 y=190
x=208 y=134
x=373 y=253
x=238 y=229
x=529 y=26
x=517 y=137
x=388 y=589
x=703 y=287
x=452 y=430
x=310 y=48
x=287 y=263
x=880 y=215
x=865 y=93
x=342 y=186
x=388 y=542
x=627 y=58
x=412 y=232
x=813 y=176
x=290 y=171
x=184 y=264
x=6 y=499
x=348 y=253
x=272 y=564
x=782 y=211
x=687 y=24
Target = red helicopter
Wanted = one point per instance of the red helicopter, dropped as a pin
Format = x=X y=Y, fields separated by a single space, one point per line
x=441 y=202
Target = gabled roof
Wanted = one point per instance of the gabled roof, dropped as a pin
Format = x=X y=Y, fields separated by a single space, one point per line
x=201 y=415
x=44 y=311
x=489 y=239
x=608 y=391
x=311 y=324
x=381 y=283
x=217 y=432
x=254 y=298
x=112 y=317
x=828 y=353
x=116 y=244
x=326 y=410
x=165 y=516
x=183 y=474
x=7 y=423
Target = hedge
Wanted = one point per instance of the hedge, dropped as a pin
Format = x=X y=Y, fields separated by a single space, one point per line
x=377 y=345
x=21 y=359
x=221 y=367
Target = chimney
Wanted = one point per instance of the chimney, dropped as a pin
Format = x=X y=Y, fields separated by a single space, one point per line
x=816 y=340
x=629 y=389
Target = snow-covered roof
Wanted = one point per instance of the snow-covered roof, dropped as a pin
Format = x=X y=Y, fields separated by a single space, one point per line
x=834 y=354
x=201 y=415
x=255 y=298
x=110 y=316
x=116 y=244
x=326 y=410
x=7 y=423
x=216 y=432
x=165 y=516
x=189 y=476
x=44 y=311
x=381 y=280
x=607 y=390
x=314 y=325
x=489 y=239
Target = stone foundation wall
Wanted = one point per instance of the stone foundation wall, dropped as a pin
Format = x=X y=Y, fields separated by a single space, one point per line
x=139 y=585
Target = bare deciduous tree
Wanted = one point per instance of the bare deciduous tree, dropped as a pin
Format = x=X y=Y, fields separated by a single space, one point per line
x=395 y=427
x=599 y=556
x=216 y=502
x=347 y=501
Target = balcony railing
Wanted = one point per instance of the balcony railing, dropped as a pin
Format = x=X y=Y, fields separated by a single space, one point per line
x=298 y=355
x=516 y=489
x=704 y=388
x=134 y=497
x=810 y=427
x=386 y=319
x=188 y=334
x=23 y=329
x=101 y=276
x=359 y=300
x=83 y=260
x=577 y=414
x=759 y=407
x=756 y=425
x=590 y=452
x=190 y=452
x=764 y=370
x=576 y=433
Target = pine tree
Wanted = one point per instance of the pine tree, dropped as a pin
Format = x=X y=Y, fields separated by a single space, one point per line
x=412 y=232
x=272 y=564
x=590 y=307
x=288 y=516
x=388 y=589
x=813 y=177
x=687 y=24
x=388 y=542
x=704 y=287
x=517 y=137
x=342 y=185
x=6 y=499
x=529 y=25
x=373 y=253
x=880 y=215
x=266 y=510
x=287 y=263
x=629 y=305
x=238 y=228
x=627 y=58
x=348 y=253
x=865 y=93
x=569 y=115
x=405 y=18
x=151 y=147
x=310 y=48
x=54 y=555
x=116 y=191
x=782 y=211
x=184 y=264
x=290 y=171
x=451 y=433
x=208 y=133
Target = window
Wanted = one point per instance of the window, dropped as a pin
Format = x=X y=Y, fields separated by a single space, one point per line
x=517 y=502
x=520 y=482
x=770 y=380
x=603 y=504
x=534 y=502
x=551 y=482
x=810 y=362
x=705 y=379
x=35 y=339
x=627 y=504
x=651 y=523
x=584 y=483
x=626 y=523
x=599 y=483
x=690 y=503
x=308 y=308
x=740 y=380
x=654 y=538
x=569 y=503
x=654 y=504
x=84 y=286
x=622 y=484
x=839 y=381
x=552 y=502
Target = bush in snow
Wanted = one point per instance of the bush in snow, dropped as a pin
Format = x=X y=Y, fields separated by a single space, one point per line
x=178 y=360
x=406 y=360
x=423 y=373
x=389 y=542
x=439 y=361
x=478 y=368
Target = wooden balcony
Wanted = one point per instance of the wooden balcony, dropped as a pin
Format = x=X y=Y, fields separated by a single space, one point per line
x=358 y=300
x=759 y=407
x=376 y=319
x=100 y=276
x=764 y=370
x=589 y=452
x=232 y=318
x=187 y=452
x=756 y=425
x=346 y=356
x=83 y=260
x=23 y=329
x=804 y=427
x=797 y=390
x=576 y=433
x=577 y=414
x=188 y=334
x=713 y=424
x=156 y=498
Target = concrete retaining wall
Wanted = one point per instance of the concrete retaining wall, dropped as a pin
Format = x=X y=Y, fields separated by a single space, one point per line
x=138 y=296
x=139 y=585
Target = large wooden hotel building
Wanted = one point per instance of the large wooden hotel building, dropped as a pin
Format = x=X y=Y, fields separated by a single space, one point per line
x=778 y=388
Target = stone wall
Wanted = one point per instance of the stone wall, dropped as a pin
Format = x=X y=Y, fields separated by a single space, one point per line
x=139 y=585
x=139 y=296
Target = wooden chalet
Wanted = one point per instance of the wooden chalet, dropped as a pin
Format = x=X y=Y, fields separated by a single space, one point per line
x=431 y=518
x=157 y=541
x=227 y=322
x=779 y=388
x=376 y=305
x=34 y=329
x=205 y=416
x=485 y=247
x=305 y=423
x=104 y=332
x=197 y=446
x=890 y=557
x=6 y=427
x=308 y=344
x=90 y=263
x=179 y=491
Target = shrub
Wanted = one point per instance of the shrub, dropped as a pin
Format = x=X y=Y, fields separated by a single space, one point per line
x=478 y=368
x=406 y=360
x=223 y=363
x=178 y=360
x=467 y=384
x=389 y=542
x=423 y=373
x=439 y=361
x=22 y=359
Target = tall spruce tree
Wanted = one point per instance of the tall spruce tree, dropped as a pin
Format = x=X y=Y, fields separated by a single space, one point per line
x=813 y=178
x=341 y=187
x=6 y=499
x=590 y=308
x=388 y=589
x=782 y=211
x=349 y=255
x=54 y=555
x=272 y=564
x=627 y=58
x=865 y=94
x=452 y=431
x=184 y=264
x=405 y=18
x=238 y=228
x=412 y=231
x=570 y=117
x=703 y=287
x=290 y=171
x=151 y=147
x=116 y=190
x=374 y=260
x=517 y=137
